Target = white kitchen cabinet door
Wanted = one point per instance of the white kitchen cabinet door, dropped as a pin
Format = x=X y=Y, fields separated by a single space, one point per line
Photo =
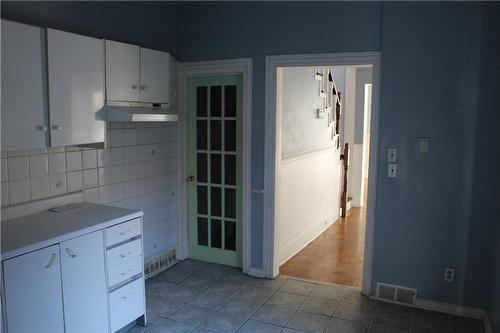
x=76 y=88
x=33 y=292
x=24 y=96
x=122 y=72
x=155 y=76
x=84 y=284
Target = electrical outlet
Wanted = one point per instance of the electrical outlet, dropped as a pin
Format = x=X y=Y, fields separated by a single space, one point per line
x=391 y=155
x=449 y=274
x=320 y=113
x=392 y=170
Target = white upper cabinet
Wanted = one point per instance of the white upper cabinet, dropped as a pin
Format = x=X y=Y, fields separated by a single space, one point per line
x=24 y=105
x=76 y=88
x=155 y=76
x=122 y=72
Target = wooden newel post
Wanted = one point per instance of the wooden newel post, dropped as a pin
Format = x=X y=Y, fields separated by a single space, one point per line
x=343 y=199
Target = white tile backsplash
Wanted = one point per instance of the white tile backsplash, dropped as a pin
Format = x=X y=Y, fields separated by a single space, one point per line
x=19 y=191
x=137 y=171
x=74 y=161
x=57 y=184
x=39 y=187
x=38 y=165
x=57 y=163
x=18 y=168
x=75 y=181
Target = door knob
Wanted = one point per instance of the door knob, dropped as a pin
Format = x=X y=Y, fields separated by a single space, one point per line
x=56 y=127
x=41 y=128
x=190 y=179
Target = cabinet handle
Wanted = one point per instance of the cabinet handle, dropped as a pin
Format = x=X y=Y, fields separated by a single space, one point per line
x=134 y=87
x=142 y=87
x=71 y=253
x=124 y=255
x=128 y=271
x=41 y=128
x=56 y=127
x=51 y=261
x=123 y=233
x=127 y=296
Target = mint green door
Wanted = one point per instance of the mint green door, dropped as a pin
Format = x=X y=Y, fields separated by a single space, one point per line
x=214 y=148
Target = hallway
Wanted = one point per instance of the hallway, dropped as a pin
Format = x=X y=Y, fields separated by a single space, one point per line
x=335 y=256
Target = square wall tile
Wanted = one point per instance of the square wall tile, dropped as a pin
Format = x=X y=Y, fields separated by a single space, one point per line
x=103 y=157
x=89 y=159
x=91 y=195
x=57 y=163
x=37 y=151
x=18 y=168
x=90 y=178
x=116 y=156
x=5 y=175
x=19 y=191
x=5 y=194
x=39 y=187
x=129 y=137
x=54 y=150
x=116 y=137
x=57 y=184
x=74 y=161
x=39 y=165
x=17 y=153
x=75 y=180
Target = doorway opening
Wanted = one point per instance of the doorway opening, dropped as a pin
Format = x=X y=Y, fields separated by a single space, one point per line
x=325 y=135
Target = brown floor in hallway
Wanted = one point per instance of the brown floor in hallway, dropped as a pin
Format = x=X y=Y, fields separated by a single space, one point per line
x=335 y=256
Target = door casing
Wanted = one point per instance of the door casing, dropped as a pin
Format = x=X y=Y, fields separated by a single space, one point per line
x=242 y=66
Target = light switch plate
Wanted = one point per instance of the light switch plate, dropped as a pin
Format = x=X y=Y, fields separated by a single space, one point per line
x=424 y=145
x=392 y=170
x=391 y=155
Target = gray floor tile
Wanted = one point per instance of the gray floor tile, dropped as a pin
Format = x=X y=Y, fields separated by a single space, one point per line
x=197 y=281
x=223 y=322
x=392 y=319
x=162 y=306
x=354 y=312
x=226 y=288
x=379 y=329
x=173 y=275
x=191 y=314
x=286 y=300
x=152 y=320
x=431 y=322
x=253 y=294
x=170 y=326
x=181 y=293
x=157 y=287
x=328 y=291
x=266 y=283
x=297 y=287
x=258 y=327
x=209 y=300
x=291 y=330
x=320 y=306
x=345 y=326
x=235 y=275
x=273 y=314
x=236 y=306
x=201 y=330
x=308 y=322
x=354 y=296
x=466 y=325
x=214 y=271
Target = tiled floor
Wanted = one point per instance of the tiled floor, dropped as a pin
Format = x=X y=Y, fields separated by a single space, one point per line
x=198 y=297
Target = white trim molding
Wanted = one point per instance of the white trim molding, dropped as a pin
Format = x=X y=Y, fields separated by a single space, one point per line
x=272 y=150
x=241 y=66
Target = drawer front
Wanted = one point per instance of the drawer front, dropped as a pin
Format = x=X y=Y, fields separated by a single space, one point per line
x=126 y=304
x=124 y=271
x=123 y=253
x=122 y=232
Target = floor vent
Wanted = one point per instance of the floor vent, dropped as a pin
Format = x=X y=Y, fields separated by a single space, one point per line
x=396 y=293
x=159 y=263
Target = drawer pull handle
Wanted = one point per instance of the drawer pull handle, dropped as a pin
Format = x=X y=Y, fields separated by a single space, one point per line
x=51 y=261
x=127 y=296
x=128 y=271
x=71 y=253
x=124 y=255
x=123 y=233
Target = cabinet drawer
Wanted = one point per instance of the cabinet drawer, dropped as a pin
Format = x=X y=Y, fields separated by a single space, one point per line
x=123 y=253
x=126 y=304
x=122 y=232
x=124 y=271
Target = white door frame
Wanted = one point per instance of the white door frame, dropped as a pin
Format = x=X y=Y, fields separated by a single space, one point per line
x=273 y=146
x=241 y=66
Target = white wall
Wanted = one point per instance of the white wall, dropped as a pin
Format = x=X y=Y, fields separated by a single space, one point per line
x=309 y=180
x=137 y=171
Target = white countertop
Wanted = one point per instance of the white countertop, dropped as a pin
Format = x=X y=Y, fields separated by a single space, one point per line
x=28 y=233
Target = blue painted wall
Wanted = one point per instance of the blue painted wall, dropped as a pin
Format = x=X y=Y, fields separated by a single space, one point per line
x=149 y=25
x=430 y=77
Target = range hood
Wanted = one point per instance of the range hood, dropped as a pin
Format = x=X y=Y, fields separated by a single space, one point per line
x=139 y=111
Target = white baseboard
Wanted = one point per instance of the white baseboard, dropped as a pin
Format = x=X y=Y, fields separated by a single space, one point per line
x=300 y=241
x=257 y=272
x=453 y=309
